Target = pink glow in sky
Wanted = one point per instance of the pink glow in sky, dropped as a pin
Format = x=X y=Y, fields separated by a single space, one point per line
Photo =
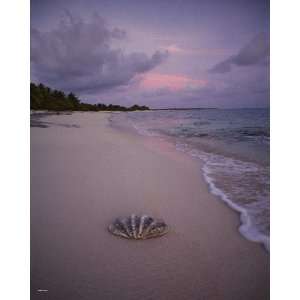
x=172 y=82
x=191 y=53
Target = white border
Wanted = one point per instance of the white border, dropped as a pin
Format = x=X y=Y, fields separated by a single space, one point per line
x=14 y=155
x=285 y=150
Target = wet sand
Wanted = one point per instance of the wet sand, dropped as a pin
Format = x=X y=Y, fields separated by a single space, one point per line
x=84 y=174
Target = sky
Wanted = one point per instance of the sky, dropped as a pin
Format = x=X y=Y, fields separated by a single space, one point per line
x=160 y=53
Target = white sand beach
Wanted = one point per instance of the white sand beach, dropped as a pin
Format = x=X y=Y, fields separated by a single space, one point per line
x=84 y=174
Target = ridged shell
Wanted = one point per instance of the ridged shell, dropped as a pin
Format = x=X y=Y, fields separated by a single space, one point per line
x=138 y=227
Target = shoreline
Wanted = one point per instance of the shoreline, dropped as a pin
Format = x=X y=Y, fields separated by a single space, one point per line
x=245 y=227
x=93 y=173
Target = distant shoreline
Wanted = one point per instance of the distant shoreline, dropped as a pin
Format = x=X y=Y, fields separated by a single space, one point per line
x=184 y=108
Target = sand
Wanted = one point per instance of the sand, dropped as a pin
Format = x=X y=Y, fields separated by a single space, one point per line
x=84 y=174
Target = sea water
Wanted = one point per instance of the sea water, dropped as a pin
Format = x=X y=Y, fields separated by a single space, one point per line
x=234 y=147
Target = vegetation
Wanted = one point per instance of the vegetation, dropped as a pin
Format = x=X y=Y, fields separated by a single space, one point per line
x=44 y=98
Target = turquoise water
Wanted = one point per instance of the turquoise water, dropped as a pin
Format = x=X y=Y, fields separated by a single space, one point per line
x=233 y=146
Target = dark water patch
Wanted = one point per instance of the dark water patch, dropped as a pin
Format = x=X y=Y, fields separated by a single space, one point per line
x=253 y=131
x=39 y=124
x=44 y=124
x=36 y=120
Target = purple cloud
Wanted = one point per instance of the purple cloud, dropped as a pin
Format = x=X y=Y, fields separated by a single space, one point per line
x=256 y=52
x=77 y=56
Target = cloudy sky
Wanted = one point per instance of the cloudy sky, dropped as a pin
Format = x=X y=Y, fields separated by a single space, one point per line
x=162 y=53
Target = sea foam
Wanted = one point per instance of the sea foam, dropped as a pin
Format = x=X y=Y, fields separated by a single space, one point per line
x=251 y=221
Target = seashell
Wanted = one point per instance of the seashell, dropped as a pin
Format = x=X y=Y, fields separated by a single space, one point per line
x=138 y=227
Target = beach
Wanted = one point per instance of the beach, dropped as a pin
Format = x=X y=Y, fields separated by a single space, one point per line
x=84 y=174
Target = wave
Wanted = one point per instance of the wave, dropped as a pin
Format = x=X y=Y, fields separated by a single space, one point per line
x=241 y=182
x=254 y=213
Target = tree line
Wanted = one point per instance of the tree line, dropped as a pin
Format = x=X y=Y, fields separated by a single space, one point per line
x=44 y=98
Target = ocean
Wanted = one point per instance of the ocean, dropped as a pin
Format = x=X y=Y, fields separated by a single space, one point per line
x=233 y=146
